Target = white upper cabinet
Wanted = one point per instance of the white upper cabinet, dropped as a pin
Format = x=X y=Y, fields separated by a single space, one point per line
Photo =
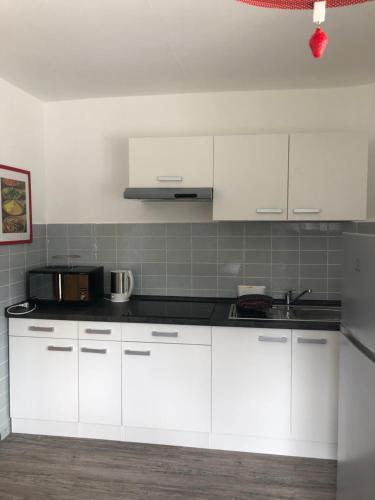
x=171 y=162
x=328 y=176
x=251 y=177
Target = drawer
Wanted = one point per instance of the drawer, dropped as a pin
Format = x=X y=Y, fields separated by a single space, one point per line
x=171 y=334
x=21 y=327
x=95 y=330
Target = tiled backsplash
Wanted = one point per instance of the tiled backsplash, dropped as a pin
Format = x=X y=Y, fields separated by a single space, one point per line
x=15 y=260
x=182 y=259
x=210 y=259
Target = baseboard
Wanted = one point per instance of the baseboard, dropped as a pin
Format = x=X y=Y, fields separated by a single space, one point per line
x=274 y=446
x=228 y=442
x=173 y=438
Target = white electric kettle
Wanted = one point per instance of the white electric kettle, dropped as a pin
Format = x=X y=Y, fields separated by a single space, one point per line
x=122 y=285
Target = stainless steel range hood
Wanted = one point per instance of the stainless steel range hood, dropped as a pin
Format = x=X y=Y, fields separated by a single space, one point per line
x=169 y=194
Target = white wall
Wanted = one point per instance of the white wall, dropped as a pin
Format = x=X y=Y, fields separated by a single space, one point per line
x=21 y=140
x=86 y=141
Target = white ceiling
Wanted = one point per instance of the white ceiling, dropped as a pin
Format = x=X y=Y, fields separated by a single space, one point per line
x=66 y=49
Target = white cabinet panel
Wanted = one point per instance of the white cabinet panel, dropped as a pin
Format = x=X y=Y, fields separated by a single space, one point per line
x=171 y=334
x=96 y=330
x=59 y=329
x=166 y=386
x=251 y=371
x=251 y=177
x=100 y=382
x=328 y=176
x=171 y=162
x=315 y=385
x=43 y=379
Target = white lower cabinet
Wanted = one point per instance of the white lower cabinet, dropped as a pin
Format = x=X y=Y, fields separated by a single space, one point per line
x=166 y=386
x=251 y=371
x=255 y=389
x=315 y=385
x=43 y=378
x=100 y=382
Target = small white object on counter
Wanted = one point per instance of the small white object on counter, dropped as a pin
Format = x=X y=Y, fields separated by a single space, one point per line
x=251 y=290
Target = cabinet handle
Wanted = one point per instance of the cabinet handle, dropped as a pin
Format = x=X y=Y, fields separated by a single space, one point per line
x=169 y=178
x=41 y=329
x=59 y=348
x=263 y=338
x=306 y=210
x=269 y=210
x=93 y=351
x=302 y=340
x=98 y=332
x=164 y=334
x=129 y=352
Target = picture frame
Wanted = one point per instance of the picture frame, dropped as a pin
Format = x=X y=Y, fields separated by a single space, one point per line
x=15 y=203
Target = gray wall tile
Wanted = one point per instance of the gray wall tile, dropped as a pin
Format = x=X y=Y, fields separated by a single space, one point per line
x=313 y=257
x=204 y=229
x=178 y=229
x=204 y=243
x=197 y=258
x=285 y=243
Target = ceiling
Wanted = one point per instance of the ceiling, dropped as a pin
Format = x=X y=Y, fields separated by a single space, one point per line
x=68 y=49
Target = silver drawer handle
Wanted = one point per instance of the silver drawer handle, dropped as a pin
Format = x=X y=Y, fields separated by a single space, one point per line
x=269 y=210
x=59 y=348
x=93 y=351
x=129 y=352
x=164 y=334
x=263 y=338
x=98 y=332
x=41 y=329
x=306 y=210
x=169 y=178
x=302 y=340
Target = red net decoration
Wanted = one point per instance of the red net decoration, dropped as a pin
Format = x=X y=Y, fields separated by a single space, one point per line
x=299 y=4
x=318 y=43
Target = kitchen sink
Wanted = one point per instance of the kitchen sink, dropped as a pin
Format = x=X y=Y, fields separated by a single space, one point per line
x=308 y=313
x=300 y=313
x=316 y=313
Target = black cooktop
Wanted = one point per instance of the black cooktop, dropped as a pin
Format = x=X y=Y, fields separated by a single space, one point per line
x=170 y=309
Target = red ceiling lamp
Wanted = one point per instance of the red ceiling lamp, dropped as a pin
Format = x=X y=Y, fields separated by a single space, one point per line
x=319 y=40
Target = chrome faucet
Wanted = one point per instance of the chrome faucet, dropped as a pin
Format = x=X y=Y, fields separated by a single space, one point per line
x=289 y=296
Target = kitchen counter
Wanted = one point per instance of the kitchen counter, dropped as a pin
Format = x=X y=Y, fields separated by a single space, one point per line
x=172 y=310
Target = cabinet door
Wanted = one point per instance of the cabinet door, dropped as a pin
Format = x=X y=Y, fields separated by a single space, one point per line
x=315 y=385
x=43 y=379
x=171 y=162
x=251 y=370
x=328 y=176
x=166 y=386
x=100 y=382
x=251 y=177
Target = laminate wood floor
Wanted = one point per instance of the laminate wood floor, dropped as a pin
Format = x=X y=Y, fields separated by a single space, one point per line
x=41 y=468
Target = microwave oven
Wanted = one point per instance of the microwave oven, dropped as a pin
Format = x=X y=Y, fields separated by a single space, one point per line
x=65 y=284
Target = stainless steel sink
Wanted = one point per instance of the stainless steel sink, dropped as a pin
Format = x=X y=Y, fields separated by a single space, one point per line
x=309 y=313
x=316 y=313
x=300 y=313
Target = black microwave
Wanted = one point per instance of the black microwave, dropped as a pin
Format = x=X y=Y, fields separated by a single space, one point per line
x=65 y=284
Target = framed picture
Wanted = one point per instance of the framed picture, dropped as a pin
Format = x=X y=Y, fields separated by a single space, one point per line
x=15 y=201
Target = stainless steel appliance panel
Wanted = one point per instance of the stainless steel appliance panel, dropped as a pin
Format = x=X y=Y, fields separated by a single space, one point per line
x=358 y=298
x=356 y=437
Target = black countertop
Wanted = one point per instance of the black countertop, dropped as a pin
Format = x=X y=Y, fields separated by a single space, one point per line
x=170 y=310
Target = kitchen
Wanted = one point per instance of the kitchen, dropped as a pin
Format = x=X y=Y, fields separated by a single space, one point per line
x=279 y=176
